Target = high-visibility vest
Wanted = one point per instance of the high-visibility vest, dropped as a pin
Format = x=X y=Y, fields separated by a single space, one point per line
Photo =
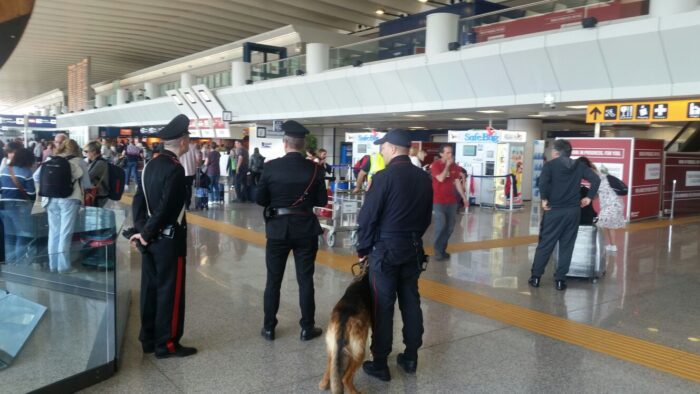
x=376 y=164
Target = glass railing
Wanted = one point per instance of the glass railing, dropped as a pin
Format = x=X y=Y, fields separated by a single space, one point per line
x=542 y=16
x=279 y=68
x=62 y=315
x=388 y=47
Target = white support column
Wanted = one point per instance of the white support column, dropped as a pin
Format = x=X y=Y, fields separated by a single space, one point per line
x=121 y=96
x=55 y=110
x=45 y=111
x=151 y=90
x=100 y=100
x=186 y=80
x=240 y=73
x=669 y=7
x=533 y=128
x=441 y=29
x=317 y=57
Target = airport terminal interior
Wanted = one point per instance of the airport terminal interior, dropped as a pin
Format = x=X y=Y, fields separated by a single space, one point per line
x=495 y=82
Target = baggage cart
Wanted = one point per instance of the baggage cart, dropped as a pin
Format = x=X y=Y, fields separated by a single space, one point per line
x=340 y=215
x=588 y=259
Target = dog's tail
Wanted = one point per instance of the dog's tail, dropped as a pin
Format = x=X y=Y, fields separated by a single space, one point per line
x=340 y=358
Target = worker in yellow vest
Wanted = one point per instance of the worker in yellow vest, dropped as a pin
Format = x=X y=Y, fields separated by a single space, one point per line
x=371 y=167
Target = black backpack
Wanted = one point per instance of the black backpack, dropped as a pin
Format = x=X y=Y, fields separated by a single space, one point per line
x=617 y=185
x=56 y=178
x=116 y=179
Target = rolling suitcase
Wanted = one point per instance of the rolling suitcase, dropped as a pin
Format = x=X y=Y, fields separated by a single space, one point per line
x=588 y=259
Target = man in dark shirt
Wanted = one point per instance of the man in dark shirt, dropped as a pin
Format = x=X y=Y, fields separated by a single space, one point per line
x=560 y=185
x=395 y=214
x=159 y=218
x=289 y=189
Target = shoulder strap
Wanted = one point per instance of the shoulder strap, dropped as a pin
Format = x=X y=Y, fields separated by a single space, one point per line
x=306 y=192
x=145 y=196
x=16 y=181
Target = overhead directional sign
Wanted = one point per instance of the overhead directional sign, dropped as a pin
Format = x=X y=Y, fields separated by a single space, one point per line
x=644 y=112
x=33 y=122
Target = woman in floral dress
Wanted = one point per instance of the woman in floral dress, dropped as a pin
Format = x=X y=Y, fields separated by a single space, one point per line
x=611 y=214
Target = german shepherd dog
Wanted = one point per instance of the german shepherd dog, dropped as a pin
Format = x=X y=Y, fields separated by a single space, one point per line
x=346 y=335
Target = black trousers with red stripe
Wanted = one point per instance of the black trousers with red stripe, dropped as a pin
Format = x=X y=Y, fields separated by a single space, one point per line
x=163 y=292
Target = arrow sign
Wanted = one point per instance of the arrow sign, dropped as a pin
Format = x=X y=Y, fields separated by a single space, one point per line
x=595 y=112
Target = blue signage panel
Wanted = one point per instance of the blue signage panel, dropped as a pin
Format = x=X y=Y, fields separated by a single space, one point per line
x=33 y=122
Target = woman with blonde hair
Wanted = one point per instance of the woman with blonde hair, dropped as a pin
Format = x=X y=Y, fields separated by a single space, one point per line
x=63 y=211
x=413 y=155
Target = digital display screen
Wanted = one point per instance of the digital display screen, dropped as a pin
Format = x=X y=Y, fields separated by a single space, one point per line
x=469 y=150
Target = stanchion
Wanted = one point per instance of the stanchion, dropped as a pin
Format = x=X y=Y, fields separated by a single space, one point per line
x=673 y=198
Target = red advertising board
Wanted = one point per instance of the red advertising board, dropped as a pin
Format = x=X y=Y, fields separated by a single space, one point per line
x=613 y=154
x=684 y=168
x=646 y=178
x=612 y=10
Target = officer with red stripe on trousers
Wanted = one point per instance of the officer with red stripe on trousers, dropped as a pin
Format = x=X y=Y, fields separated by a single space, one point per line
x=159 y=218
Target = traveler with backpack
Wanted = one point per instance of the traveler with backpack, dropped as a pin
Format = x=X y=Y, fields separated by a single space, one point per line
x=133 y=154
x=98 y=170
x=61 y=179
x=256 y=166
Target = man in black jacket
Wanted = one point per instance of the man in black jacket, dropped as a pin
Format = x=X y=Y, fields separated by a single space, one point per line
x=560 y=185
x=396 y=212
x=289 y=189
x=159 y=218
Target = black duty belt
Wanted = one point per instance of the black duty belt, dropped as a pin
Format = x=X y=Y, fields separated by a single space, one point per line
x=398 y=235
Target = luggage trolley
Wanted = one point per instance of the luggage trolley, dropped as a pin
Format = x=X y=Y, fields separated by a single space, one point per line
x=340 y=215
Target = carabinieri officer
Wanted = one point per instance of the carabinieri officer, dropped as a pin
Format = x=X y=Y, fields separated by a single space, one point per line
x=396 y=212
x=289 y=188
x=159 y=216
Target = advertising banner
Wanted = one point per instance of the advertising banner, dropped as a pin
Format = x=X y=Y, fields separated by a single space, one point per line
x=613 y=155
x=684 y=168
x=646 y=178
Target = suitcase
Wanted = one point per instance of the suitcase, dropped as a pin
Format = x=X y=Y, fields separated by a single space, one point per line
x=221 y=198
x=588 y=259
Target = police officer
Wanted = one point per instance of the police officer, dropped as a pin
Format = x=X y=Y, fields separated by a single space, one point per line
x=395 y=215
x=159 y=217
x=289 y=189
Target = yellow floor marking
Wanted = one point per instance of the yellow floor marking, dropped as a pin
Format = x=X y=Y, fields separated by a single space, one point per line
x=662 y=358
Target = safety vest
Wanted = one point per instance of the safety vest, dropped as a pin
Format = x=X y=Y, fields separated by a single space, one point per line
x=376 y=164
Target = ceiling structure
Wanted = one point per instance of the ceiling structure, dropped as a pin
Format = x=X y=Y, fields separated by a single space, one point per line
x=122 y=36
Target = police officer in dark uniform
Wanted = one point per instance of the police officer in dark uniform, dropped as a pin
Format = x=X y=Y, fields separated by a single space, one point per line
x=289 y=188
x=159 y=218
x=396 y=212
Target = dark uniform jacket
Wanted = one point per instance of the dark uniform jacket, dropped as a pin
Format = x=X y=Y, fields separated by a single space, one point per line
x=399 y=203
x=560 y=182
x=283 y=181
x=164 y=178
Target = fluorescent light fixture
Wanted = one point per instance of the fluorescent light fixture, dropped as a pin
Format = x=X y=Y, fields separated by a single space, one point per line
x=536 y=116
x=416 y=127
x=415 y=116
x=422 y=1
x=652 y=329
x=577 y=106
x=490 y=111
x=177 y=99
x=379 y=11
x=693 y=339
x=203 y=94
x=463 y=119
x=190 y=98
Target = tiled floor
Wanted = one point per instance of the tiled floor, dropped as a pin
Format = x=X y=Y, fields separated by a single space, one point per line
x=648 y=293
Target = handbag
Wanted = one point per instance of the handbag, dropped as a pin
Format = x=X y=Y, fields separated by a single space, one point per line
x=90 y=197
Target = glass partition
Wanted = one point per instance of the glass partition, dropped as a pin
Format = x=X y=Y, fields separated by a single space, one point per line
x=388 y=47
x=279 y=68
x=62 y=313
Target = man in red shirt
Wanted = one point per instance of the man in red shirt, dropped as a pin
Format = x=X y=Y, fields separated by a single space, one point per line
x=446 y=176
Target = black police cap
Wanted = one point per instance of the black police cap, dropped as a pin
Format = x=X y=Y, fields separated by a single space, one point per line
x=294 y=129
x=398 y=137
x=177 y=128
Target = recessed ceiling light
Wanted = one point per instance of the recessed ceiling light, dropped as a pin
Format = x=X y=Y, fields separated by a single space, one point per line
x=652 y=329
x=415 y=116
x=692 y=339
x=416 y=127
x=577 y=106
x=379 y=11
x=536 y=116
x=490 y=111
x=463 y=119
